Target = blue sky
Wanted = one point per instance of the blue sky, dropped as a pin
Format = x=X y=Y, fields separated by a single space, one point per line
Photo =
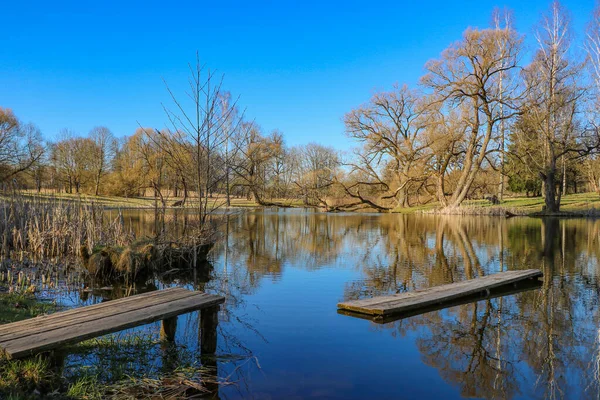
x=297 y=65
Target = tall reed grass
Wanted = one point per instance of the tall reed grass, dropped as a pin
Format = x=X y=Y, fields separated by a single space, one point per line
x=43 y=227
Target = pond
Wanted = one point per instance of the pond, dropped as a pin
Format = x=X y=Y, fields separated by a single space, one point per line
x=284 y=271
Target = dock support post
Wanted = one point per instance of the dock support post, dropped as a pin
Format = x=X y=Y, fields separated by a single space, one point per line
x=56 y=360
x=209 y=319
x=168 y=328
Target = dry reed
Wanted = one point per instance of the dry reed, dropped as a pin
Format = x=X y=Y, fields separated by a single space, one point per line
x=50 y=228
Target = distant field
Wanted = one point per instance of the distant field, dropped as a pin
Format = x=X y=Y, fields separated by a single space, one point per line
x=520 y=205
x=526 y=205
x=144 y=202
x=570 y=202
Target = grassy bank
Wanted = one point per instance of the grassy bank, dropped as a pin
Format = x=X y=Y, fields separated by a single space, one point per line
x=581 y=203
x=25 y=378
x=17 y=307
x=143 y=202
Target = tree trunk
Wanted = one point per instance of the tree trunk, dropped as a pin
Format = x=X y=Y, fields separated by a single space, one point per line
x=564 y=176
x=97 y=188
x=440 y=190
x=227 y=189
x=472 y=166
x=403 y=198
x=550 y=200
x=185 y=191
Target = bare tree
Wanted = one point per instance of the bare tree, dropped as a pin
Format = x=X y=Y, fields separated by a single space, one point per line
x=203 y=123
x=256 y=154
x=468 y=76
x=230 y=122
x=21 y=145
x=549 y=129
x=149 y=146
x=316 y=173
x=502 y=21
x=387 y=164
x=71 y=157
x=104 y=142
x=592 y=47
x=445 y=131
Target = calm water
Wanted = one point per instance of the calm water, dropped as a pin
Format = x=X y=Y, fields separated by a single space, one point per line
x=283 y=273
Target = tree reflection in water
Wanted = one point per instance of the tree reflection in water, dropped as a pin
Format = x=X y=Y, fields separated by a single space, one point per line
x=548 y=338
x=543 y=343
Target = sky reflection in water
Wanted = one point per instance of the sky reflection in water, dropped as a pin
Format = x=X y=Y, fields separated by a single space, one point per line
x=285 y=271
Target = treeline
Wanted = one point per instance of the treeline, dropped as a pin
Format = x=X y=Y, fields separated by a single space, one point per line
x=159 y=163
x=481 y=120
x=480 y=123
x=211 y=154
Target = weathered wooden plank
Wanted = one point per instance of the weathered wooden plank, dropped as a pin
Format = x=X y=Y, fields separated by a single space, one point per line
x=85 y=316
x=59 y=337
x=402 y=302
x=500 y=291
x=136 y=299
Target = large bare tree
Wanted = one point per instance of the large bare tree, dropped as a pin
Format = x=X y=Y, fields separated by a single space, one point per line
x=317 y=169
x=467 y=76
x=104 y=142
x=502 y=21
x=21 y=146
x=549 y=129
x=389 y=162
x=592 y=47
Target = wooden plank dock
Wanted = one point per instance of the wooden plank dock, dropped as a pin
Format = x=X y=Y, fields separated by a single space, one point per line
x=500 y=291
x=384 y=306
x=47 y=332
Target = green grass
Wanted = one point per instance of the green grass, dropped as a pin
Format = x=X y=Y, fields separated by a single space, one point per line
x=119 y=366
x=569 y=203
x=580 y=202
x=417 y=209
x=86 y=387
x=574 y=203
x=21 y=379
x=17 y=307
x=24 y=379
x=105 y=201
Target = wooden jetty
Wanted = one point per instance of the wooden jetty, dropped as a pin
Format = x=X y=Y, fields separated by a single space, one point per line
x=439 y=296
x=501 y=291
x=48 y=332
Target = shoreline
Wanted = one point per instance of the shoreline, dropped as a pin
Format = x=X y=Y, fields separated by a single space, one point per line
x=582 y=205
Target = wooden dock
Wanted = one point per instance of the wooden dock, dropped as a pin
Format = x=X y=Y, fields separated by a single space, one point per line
x=439 y=296
x=501 y=291
x=47 y=332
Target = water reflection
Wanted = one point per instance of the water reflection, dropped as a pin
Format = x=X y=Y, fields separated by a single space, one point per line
x=488 y=347
x=282 y=269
